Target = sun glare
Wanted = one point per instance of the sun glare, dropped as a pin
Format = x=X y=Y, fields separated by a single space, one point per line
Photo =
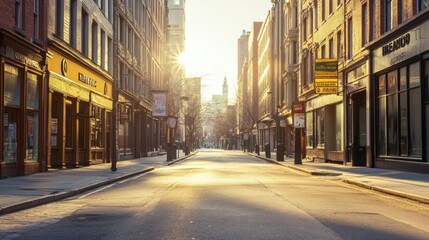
x=183 y=59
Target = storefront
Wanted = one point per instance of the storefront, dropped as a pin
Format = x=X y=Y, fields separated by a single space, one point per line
x=22 y=89
x=400 y=67
x=324 y=128
x=80 y=112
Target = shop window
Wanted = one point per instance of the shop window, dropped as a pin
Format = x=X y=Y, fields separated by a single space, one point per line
x=399 y=130
x=320 y=127
x=32 y=136
x=32 y=128
x=309 y=129
x=10 y=136
x=339 y=127
x=12 y=86
x=97 y=127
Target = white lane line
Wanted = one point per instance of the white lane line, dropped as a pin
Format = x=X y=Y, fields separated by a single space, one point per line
x=98 y=190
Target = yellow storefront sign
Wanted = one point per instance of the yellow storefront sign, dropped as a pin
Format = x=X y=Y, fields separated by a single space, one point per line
x=326 y=76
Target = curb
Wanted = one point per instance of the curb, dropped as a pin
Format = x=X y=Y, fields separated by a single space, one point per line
x=388 y=191
x=352 y=182
x=62 y=195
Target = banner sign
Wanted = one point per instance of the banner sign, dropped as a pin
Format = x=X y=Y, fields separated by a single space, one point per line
x=159 y=105
x=326 y=76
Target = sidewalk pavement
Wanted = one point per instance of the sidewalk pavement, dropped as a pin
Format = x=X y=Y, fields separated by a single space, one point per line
x=413 y=186
x=24 y=192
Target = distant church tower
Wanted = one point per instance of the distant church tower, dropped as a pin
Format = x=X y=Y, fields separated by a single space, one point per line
x=225 y=90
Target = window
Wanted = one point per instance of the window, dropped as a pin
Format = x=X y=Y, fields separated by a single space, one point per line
x=19 y=21
x=73 y=22
x=372 y=20
x=350 y=38
x=364 y=24
x=331 y=6
x=331 y=48
x=36 y=20
x=339 y=47
x=399 y=129
x=309 y=129
x=415 y=147
x=388 y=15
x=304 y=29
x=96 y=127
x=323 y=10
x=392 y=113
x=320 y=127
x=103 y=49
x=316 y=15
x=339 y=127
x=59 y=18
x=84 y=33
x=12 y=86
x=32 y=126
x=94 y=42
x=421 y=5
x=109 y=55
x=323 y=51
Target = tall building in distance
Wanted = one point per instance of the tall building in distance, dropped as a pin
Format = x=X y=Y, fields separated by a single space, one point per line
x=176 y=71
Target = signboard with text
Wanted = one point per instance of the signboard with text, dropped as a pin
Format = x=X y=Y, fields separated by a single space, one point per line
x=298 y=115
x=326 y=76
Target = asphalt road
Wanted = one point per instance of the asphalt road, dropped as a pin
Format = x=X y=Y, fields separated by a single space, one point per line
x=222 y=195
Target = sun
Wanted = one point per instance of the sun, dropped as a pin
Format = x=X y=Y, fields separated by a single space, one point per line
x=183 y=59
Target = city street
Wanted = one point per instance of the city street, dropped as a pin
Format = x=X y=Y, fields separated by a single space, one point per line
x=218 y=194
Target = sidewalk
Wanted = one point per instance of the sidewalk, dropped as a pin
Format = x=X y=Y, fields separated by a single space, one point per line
x=24 y=192
x=414 y=186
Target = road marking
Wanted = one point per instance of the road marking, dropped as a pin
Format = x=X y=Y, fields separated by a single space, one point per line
x=98 y=190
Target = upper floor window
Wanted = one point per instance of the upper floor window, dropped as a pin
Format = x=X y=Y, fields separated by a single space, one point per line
x=323 y=10
x=73 y=22
x=95 y=42
x=59 y=18
x=422 y=4
x=331 y=48
x=350 y=38
x=19 y=17
x=364 y=24
x=84 y=32
x=388 y=15
x=36 y=20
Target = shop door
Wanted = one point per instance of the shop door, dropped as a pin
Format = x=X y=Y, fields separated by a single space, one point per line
x=359 y=129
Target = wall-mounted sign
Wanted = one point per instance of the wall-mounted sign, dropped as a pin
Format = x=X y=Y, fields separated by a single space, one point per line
x=326 y=76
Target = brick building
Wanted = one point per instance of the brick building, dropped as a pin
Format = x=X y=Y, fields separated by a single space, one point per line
x=23 y=87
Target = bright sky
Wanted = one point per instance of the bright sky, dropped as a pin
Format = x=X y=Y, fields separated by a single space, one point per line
x=212 y=30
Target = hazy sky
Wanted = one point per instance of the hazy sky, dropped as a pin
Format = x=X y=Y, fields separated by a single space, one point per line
x=212 y=30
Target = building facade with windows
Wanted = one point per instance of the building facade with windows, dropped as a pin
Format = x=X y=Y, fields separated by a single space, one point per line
x=321 y=26
x=265 y=85
x=139 y=70
x=399 y=85
x=79 y=73
x=23 y=88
